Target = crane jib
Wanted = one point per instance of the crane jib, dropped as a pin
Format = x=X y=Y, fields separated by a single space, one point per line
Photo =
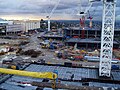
x=47 y=75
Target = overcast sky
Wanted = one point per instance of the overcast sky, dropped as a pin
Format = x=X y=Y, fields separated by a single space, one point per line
x=37 y=9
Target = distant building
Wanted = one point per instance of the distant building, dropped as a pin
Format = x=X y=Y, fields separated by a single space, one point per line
x=4 y=22
x=8 y=27
x=14 y=28
x=2 y=30
x=17 y=26
x=28 y=24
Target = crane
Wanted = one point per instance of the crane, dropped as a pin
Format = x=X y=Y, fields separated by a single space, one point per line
x=49 y=16
x=107 y=35
x=90 y=18
x=108 y=22
x=82 y=16
x=46 y=75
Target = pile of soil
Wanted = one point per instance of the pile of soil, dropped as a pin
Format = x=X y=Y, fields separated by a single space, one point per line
x=30 y=52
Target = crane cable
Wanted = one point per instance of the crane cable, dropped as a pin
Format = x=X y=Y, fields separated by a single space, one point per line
x=94 y=11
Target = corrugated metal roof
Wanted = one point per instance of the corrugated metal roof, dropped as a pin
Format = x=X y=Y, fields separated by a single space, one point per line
x=104 y=85
x=12 y=83
x=116 y=75
x=72 y=83
x=63 y=73
x=14 y=86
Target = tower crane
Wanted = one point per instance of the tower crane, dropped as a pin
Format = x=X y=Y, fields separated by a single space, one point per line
x=90 y=18
x=108 y=22
x=47 y=75
x=82 y=16
x=49 y=16
x=107 y=35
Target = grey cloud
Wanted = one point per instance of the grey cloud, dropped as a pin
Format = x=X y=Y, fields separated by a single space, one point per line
x=40 y=7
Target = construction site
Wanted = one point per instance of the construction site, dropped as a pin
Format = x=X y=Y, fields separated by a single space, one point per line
x=84 y=57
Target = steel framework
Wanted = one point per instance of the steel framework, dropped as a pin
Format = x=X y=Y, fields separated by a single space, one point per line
x=107 y=37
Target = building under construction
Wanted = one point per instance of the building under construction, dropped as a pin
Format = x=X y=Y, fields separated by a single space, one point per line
x=91 y=37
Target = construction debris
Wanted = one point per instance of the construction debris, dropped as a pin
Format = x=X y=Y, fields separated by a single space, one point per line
x=64 y=86
x=31 y=53
x=117 y=53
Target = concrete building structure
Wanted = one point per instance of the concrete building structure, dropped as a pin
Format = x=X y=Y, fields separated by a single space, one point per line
x=92 y=37
x=4 y=22
x=2 y=30
x=28 y=24
x=14 y=28
x=8 y=27
x=89 y=32
x=17 y=26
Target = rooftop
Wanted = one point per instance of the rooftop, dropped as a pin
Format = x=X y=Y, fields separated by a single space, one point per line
x=64 y=73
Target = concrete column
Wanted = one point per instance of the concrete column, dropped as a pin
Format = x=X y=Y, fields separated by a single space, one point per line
x=70 y=32
x=79 y=32
x=86 y=45
x=87 y=33
x=95 y=33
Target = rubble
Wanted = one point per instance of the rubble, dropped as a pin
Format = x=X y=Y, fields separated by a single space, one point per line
x=31 y=53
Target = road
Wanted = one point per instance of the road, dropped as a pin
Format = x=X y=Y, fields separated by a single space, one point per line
x=34 y=42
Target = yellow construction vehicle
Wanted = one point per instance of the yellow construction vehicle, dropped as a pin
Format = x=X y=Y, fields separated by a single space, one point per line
x=13 y=67
x=44 y=46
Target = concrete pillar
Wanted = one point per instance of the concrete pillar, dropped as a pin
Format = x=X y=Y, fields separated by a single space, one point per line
x=87 y=33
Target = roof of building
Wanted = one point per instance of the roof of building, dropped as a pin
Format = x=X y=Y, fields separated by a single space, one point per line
x=63 y=73
x=26 y=21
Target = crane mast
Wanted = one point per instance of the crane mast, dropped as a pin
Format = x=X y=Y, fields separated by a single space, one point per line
x=107 y=37
x=49 y=17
